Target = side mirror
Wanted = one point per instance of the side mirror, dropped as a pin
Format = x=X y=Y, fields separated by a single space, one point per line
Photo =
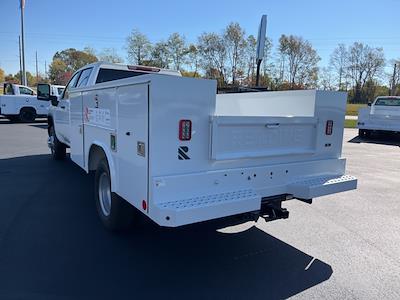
x=369 y=103
x=43 y=91
x=54 y=100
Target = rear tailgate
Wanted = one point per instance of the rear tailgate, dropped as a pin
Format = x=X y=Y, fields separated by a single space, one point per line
x=236 y=137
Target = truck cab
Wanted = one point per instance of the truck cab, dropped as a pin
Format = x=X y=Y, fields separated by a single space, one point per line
x=17 y=89
x=90 y=76
x=383 y=115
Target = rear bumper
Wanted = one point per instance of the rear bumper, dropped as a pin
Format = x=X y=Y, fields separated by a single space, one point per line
x=190 y=198
x=381 y=125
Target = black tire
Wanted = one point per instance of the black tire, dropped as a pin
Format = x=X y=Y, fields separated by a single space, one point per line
x=58 y=149
x=27 y=115
x=118 y=214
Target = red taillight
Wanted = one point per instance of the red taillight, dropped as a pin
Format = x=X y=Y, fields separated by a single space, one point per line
x=144 y=204
x=185 y=130
x=329 y=127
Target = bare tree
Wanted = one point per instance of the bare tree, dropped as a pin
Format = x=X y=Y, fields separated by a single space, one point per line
x=160 y=56
x=326 y=80
x=339 y=63
x=235 y=46
x=138 y=46
x=250 y=57
x=177 y=49
x=194 y=59
x=266 y=63
x=301 y=59
x=364 y=64
x=110 y=55
x=213 y=56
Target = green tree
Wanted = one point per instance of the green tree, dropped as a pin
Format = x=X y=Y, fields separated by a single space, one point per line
x=2 y=75
x=30 y=79
x=58 y=72
x=74 y=59
x=11 y=78
x=67 y=61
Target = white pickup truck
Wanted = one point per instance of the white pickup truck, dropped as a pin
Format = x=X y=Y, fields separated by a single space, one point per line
x=19 y=103
x=173 y=149
x=383 y=115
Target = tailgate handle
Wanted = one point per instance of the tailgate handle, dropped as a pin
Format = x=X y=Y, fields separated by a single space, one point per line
x=272 y=125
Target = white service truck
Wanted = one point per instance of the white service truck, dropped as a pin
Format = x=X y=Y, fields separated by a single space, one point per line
x=383 y=115
x=173 y=149
x=19 y=103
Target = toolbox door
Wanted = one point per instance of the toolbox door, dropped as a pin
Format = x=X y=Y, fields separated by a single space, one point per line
x=132 y=143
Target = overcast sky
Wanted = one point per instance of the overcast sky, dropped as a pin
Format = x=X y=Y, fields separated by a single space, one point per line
x=53 y=25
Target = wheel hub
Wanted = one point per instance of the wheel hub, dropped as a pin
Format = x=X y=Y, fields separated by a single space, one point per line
x=105 y=194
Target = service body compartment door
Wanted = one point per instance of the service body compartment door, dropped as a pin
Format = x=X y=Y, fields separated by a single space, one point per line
x=132 y=143
x=238 y=137
x=76 y=109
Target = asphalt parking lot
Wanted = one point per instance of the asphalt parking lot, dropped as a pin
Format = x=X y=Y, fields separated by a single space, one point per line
x=52 y=245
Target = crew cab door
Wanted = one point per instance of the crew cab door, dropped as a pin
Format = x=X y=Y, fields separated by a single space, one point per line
x=76 y=118
x=61 y=112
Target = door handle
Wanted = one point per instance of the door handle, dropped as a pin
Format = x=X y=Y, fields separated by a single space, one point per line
x=62 y=107
x=272 y=125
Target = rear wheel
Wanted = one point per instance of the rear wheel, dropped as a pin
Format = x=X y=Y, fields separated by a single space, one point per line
x=58 y=149
x=115 y=213
x=27 y=115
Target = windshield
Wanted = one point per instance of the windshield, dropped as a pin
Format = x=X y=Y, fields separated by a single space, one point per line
x=388 y=102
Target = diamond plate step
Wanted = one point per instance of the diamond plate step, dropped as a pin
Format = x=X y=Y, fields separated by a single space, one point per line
x=320 y=186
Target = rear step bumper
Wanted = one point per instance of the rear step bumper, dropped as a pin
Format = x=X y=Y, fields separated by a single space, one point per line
x=321 y=186
x=213 y=206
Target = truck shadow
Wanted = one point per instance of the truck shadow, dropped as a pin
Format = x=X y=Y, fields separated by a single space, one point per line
x=52 y=244
x=390 y=139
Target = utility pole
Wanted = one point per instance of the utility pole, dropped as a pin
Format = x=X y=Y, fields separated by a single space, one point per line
x=45 y=69
x=22 y=2
x=393 y=89
x=37 y=73
x=20 y=59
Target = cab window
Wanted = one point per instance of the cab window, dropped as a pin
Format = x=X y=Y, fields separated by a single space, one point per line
x=25 y=91
x=388 y=102
x=71 y=84
x=111 y=74
x=83 y=79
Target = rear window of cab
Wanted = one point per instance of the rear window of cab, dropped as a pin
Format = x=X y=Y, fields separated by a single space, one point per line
x=112 y=74
x=388 y=102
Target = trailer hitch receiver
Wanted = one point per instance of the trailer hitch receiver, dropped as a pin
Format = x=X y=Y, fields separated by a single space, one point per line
x=273 y=210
